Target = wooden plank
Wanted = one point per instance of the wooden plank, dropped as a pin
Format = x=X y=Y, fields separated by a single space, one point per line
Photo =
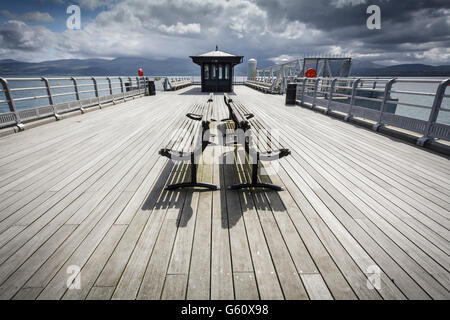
x=370 y=247
x=100 y=293
x=95 y=264
x=240 y=251
x=27 y=294
x=116 y=264
x=221 y=265
x=199 y=280
x=316 y=286
x=245 y=286
x=17 y=280
x=134 y=272
x=61 y=204
x=175 y=287
x=74 y=193
x=337 y=163
x=10 y=233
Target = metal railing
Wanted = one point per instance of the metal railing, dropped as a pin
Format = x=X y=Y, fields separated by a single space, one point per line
x=26 y=99
x=371 y=98
x=175 y=83
x=265 y=84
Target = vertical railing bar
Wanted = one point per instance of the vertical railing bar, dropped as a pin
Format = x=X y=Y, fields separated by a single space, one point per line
x=386 y=95
x=330 y=98
x=303 y=91
x=316 y=85
x=440 y=92
x=50 y=98
x=122 y=88
x=138 y=80
x=130 y=86
x=352 y=99
x=111 y=90
x=94 y=80
x=11 y=103
x=77 y=93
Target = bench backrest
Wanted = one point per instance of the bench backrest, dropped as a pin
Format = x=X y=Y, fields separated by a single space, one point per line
x=261 y=137
x=239 y=118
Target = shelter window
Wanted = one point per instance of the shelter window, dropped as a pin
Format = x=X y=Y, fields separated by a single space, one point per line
x=227 y=71
x=206 y=71
x=220 y=76
x=213 y=71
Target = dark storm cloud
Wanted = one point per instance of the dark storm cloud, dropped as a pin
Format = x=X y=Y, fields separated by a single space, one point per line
x=407 y=26
x=411 y=31
x=327 y=15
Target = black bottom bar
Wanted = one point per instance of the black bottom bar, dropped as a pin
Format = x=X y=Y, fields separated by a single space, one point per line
x=255 y=185
x=192 y=185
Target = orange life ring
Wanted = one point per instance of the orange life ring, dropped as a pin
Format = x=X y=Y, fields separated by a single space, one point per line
x=141 y=73
x=311 y=73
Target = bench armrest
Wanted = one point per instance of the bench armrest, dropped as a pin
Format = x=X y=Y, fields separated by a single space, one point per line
x=193 y=116
x=274 y=155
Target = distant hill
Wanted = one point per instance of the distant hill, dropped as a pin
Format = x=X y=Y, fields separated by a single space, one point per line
x=100 y=67
x=413 y=70
x=183 y=66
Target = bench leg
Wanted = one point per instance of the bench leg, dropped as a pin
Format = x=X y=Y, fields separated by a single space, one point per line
x=193 y=183
x=255 y=183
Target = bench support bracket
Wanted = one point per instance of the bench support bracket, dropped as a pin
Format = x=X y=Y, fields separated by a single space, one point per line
x=193 y=183
x=254 y=183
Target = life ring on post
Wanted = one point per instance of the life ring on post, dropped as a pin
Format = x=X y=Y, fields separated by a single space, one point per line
x=311 y=73
x=141 y=72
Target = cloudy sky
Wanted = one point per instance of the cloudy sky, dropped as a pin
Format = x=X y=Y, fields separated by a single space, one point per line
x=411 y=31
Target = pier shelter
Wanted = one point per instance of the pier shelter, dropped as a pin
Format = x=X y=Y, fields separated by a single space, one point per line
x=217 y=70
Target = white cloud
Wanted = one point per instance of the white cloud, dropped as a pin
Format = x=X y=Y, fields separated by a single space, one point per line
x=92 y=4
x=343 y=3
x=282 y=58
x=435 y=55
x=181 y=28
x=34 y=16
x=17 y=35
x=294 y=30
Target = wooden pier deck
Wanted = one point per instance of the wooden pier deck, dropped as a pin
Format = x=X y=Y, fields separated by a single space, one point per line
x=88 y=192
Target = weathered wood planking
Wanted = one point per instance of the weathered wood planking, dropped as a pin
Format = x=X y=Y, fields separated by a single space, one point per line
x=88 y=191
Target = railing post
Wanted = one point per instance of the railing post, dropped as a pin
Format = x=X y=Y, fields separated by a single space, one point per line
x=387 y=91
x=303 y=91
x=50 y=98
x=96 y=91
x=11 y=103
x=440 y=92
x=77 y=93
x=111 y=90
x=146 y=85
x=316 y=85
x=330 y=97
x=122 y=88
x=138 y=80
x=131 y=86
x=352 y=99
x=166 y=82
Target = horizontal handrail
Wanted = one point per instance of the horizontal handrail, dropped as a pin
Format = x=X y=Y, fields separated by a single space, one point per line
x=97 y=91
x=323 y=92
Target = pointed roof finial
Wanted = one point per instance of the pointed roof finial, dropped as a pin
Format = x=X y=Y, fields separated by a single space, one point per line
x=217 y=47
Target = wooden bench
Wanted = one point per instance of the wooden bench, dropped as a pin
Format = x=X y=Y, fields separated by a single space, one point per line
x=189 y=141
x=258 y=142
x=179 y=84
x=260 y=86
